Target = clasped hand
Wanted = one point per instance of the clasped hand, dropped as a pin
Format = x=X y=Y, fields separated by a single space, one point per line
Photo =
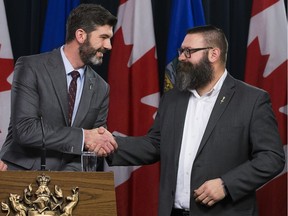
x=3 y=166
x=210 y=192
x=100 y=141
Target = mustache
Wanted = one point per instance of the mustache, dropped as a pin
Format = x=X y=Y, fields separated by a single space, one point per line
x=184 y=67
x=102 y=50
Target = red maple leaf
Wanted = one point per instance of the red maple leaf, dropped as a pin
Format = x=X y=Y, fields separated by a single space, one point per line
x=127 y=86
x=275 y=83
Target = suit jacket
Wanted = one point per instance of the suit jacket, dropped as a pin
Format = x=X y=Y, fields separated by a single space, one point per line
x=40 y=89
x=241 y=145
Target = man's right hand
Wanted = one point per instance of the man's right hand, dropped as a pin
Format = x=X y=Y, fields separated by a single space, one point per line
x=100 y=141
x=3 y=166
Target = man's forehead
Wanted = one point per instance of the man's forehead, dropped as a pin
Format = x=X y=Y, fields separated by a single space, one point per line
x=193 y=40
x=104 y=30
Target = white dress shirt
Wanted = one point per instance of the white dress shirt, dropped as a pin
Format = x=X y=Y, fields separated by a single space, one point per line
x=197 y=115
x=80 y=81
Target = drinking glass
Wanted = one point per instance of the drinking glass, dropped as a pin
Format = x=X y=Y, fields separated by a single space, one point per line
x=89 y=161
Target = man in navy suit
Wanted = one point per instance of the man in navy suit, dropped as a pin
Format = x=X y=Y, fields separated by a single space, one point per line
x=216 y=137
x=40 y=106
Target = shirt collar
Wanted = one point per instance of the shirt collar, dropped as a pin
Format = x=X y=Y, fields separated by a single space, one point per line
x=68 y=66
x=219 y=83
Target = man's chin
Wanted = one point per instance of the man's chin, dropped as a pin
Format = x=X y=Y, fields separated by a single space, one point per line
x=96 y=61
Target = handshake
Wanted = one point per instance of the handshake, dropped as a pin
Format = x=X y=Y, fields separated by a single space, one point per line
x=100 y=141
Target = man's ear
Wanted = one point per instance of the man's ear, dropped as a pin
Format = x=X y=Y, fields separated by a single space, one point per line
x=214 y=54
x=80 y=35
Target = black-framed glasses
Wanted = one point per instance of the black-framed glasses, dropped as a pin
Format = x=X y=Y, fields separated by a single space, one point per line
x=188 y=51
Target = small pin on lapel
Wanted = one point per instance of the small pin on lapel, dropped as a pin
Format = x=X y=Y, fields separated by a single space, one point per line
x=90 y=86
x=222 y=100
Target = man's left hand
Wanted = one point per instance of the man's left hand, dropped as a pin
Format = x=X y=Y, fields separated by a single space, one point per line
x=210 y=192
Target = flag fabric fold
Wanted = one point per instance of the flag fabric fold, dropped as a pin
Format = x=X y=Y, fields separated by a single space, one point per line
x=266 y=67
x=54 y=31
x=185 y=14
x=6 y=71
x=134 y=98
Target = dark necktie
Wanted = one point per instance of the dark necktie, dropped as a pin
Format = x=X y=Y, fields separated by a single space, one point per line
x=72 y=93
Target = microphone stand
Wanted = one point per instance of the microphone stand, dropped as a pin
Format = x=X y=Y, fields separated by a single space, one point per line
x=43 y=152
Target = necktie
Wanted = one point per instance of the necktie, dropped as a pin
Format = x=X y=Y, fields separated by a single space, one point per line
x=72 y=93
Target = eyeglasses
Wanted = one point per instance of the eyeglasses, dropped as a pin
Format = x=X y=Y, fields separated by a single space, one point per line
x=188 y=51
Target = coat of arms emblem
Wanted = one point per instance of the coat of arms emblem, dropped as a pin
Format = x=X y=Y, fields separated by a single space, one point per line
x=42 y=202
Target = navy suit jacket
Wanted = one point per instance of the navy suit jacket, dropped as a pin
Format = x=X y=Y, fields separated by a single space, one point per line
x=39 y=88
x=241 y=145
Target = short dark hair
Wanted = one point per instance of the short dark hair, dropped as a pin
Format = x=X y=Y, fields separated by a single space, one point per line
x=88 y=17
x=213 y=37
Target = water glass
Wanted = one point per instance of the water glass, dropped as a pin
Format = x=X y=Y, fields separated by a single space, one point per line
x=89 y=161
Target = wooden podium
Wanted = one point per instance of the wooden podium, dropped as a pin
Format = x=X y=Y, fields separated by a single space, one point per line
x=95 y=189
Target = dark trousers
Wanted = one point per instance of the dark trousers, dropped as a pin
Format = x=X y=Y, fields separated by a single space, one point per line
x=179 y=212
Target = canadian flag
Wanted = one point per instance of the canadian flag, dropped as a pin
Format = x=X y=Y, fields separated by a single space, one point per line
x=6 y=73
x=266 y=67
x=134 y=98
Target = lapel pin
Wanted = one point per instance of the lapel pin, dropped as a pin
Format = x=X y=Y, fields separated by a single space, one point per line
x=90 y=86
x=222 y=100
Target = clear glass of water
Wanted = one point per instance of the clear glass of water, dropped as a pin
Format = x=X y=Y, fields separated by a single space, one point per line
x=89 y=161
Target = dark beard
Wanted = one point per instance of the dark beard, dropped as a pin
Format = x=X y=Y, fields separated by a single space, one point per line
x=194 y=76
x=88 y=53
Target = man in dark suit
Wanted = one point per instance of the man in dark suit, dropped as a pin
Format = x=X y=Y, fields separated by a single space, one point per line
x=41 y=108
x=216 y=137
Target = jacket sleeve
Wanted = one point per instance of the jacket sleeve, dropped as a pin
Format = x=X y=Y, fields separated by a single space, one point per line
x=267 y=158
x=26 y=112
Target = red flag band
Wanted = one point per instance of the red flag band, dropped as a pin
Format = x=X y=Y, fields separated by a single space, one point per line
x=266 y=67
x=6 y=73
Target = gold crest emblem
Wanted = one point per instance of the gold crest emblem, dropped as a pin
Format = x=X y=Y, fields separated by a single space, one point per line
x=42 y=202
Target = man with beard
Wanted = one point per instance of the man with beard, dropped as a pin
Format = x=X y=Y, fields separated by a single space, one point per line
x=216 y=137
x=57 y=98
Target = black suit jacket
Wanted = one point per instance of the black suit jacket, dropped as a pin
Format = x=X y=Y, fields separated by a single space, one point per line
x=39 y=88
x=241 y=145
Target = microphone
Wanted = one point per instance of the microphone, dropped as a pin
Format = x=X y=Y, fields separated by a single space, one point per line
x=43 y=150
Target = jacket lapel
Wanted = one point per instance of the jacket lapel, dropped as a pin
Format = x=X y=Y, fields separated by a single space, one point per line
x=87 y=93
x=56 y=70
x=221 y=103
x=180 y=114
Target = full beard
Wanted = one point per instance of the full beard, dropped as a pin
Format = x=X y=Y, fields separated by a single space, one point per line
x=194 y=76
x=88 y=54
